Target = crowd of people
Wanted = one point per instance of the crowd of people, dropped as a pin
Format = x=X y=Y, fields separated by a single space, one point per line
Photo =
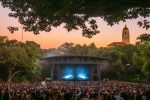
x=75 y=90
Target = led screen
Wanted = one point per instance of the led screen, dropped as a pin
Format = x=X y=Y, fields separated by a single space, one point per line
x=75 y=73
x=82 y=73
x=68 y=73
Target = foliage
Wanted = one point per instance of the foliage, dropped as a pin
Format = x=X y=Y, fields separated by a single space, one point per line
x=42 y=15
x=144 y=38
x=17 y=57
x=132 y=61
x=72 y=49
x=129 y=63
x=66 y=48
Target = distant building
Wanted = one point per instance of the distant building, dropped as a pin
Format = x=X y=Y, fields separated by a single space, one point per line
x=113 y=44
x=125 y=38
x=125 y=35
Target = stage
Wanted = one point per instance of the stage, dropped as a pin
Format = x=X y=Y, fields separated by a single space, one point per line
x=74 y=68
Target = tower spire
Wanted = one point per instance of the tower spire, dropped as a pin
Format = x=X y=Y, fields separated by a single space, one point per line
x=125 y=35
x=125 y=26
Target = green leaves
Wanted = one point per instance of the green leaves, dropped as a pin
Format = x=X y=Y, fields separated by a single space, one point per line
x=18 y=56
x=144 y=38
x=42 y=15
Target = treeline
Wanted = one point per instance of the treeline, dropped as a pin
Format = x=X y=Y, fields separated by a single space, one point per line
x=129 y=63
x=20 y=61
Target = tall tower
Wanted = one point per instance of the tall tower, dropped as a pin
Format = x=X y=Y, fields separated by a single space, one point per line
x=125 y=35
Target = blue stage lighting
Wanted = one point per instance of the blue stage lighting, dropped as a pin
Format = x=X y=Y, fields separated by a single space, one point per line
x=82 y=73
x=68 y=73
x=68 y=77
x=82 y=77
x=75 y=73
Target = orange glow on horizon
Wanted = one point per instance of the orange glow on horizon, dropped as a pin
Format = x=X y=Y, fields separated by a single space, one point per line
x=59 y=35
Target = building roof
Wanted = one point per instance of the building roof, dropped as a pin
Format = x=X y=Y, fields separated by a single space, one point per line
x=116 y=44
x=75 y=59
x=74 y=56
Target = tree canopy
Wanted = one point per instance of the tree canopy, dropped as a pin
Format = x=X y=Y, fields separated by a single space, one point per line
x=42 y=15
x=144 y=38
x=16 y=56
x=128 y=63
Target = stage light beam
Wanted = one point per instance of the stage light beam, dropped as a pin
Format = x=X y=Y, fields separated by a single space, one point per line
x=82 y=76
x=68 y=77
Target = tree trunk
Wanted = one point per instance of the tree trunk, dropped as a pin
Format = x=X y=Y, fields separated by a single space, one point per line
x=10 y=74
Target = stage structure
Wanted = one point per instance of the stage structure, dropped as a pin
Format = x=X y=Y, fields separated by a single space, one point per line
x=75 y=68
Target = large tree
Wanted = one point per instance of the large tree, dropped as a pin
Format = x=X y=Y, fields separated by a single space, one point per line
x=42 y=15
x=16 y=57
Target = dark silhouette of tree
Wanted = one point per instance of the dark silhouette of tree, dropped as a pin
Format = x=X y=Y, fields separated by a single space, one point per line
x=144 y=38
x=42 y=15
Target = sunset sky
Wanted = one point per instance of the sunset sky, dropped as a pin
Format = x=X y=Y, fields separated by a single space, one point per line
x=59 y=35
